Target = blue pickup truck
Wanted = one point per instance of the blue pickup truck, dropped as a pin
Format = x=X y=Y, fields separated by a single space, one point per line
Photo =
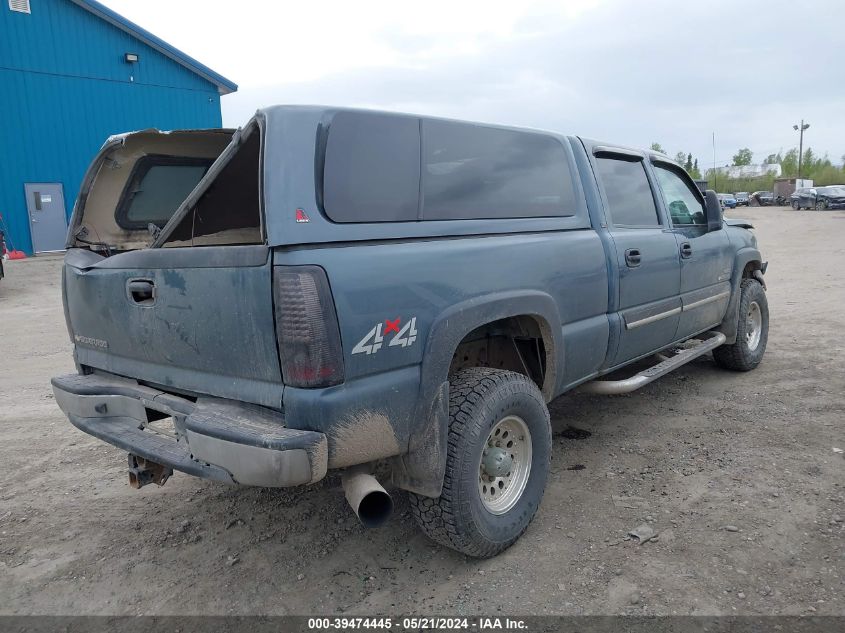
x=379 y=293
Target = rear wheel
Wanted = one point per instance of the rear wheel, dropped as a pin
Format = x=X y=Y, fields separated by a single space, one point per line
x=821 y=205
x=752 y=332
x=795 y=205
x=497 y=463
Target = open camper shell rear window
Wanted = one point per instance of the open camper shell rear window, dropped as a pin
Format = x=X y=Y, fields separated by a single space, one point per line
x=225 y=206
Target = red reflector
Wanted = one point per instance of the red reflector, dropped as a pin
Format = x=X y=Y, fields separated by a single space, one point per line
x=301 y=216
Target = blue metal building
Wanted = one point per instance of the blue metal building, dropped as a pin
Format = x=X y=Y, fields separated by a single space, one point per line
x=72 y=73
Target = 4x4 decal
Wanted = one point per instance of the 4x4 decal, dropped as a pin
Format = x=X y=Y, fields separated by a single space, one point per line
x=372 y=342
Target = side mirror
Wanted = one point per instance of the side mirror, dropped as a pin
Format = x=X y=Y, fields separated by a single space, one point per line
x=712 y=210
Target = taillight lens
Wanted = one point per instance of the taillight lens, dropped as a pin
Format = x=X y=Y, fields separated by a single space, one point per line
x=306 y=327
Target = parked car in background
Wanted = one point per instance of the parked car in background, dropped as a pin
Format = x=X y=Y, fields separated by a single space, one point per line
x=762 y=199
x=830 y=197
x=727 y=200
x=803 y=198
x=741 y=198
x=819 y=198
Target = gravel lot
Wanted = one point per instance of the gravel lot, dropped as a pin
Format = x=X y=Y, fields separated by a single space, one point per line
x=692 y=454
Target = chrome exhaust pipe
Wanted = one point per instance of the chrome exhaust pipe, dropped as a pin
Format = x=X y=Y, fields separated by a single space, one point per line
x=370 y=502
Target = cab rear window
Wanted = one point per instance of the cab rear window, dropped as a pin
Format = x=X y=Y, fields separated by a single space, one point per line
x=395 y=168
x=158 y=185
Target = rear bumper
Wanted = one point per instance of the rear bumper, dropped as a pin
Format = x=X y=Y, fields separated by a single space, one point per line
x=216 y=439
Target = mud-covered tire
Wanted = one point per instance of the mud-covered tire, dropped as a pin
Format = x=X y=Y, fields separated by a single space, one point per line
x=752 y=332
x=480 y=399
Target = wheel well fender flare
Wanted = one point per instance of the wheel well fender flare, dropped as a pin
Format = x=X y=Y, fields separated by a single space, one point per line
x=743 y=257
x=421 y=470
x=454 y=323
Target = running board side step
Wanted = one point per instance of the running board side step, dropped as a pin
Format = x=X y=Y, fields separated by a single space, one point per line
x=707 y=342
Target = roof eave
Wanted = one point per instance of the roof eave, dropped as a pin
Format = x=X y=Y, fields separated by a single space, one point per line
x=224 y=86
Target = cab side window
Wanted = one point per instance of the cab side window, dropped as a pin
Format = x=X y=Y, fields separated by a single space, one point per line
x=685 y=207
x=629 y=196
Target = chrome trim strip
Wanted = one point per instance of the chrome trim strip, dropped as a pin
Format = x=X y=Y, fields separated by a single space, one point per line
x=652 y=318
x=701 y=302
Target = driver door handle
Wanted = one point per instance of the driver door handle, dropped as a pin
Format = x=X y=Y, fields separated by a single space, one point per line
x=686 y=250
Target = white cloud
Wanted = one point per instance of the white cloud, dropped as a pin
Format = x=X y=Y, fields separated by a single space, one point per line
x=627 y=72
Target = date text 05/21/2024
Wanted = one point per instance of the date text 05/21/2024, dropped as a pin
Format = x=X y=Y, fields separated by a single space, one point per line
x=417 y=623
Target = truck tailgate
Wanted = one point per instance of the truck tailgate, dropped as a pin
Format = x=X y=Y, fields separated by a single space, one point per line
x=194 y=319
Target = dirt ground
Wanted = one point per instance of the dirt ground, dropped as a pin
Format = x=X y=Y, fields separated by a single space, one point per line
x=691 y=454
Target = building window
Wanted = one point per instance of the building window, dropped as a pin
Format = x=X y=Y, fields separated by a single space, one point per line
x=21 y=6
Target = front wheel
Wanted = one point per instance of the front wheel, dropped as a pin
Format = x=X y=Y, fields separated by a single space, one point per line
x=499 y=448
x=821 y=205
x=795 y=205
x=752 y=331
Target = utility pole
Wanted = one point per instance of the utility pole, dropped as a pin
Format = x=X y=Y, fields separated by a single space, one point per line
x=714 y=162
x=800 y=131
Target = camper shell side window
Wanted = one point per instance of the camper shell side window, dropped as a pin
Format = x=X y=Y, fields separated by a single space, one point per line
x=395 y=168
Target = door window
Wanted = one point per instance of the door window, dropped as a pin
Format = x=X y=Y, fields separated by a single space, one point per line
x=685 y=207
x=629 y=196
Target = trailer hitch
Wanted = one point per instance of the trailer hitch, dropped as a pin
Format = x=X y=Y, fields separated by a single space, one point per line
x=143 y=471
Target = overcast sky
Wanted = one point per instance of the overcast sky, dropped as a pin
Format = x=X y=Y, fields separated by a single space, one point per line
x=616 y=70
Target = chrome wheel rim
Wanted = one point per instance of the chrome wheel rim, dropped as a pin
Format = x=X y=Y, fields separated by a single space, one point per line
x=505 y=464
x=754 y=326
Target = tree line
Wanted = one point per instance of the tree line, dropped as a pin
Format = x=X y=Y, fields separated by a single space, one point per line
x=819 y=169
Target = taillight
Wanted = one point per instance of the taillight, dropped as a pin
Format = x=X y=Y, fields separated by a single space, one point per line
x=306 y=327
